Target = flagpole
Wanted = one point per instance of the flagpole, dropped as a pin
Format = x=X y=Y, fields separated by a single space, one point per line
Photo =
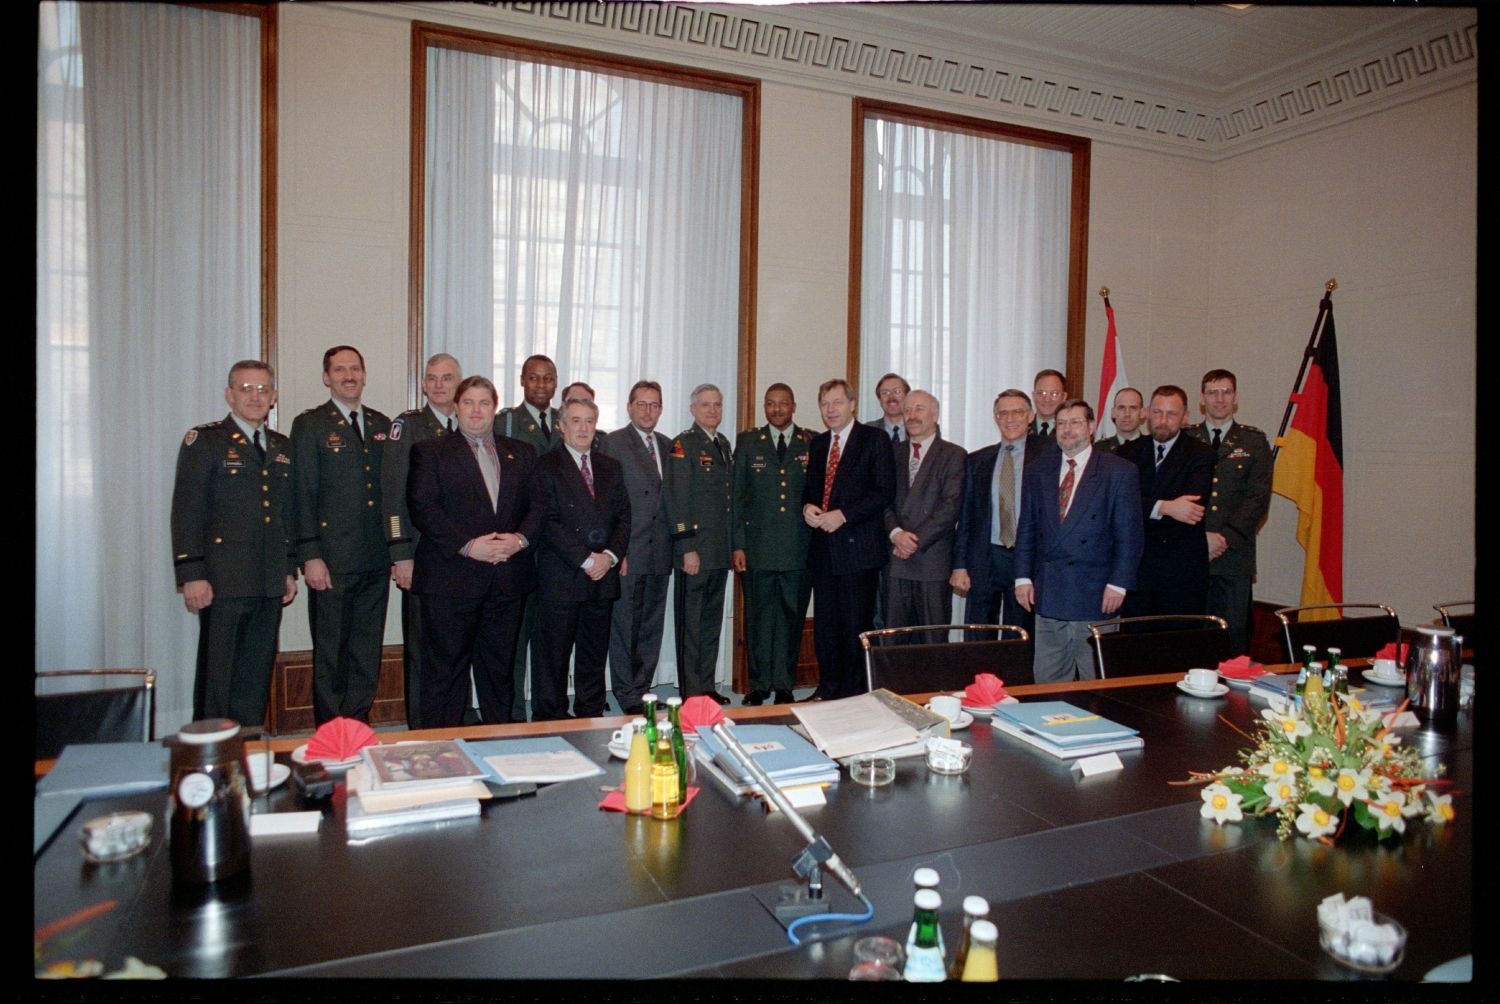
x=1324 y=305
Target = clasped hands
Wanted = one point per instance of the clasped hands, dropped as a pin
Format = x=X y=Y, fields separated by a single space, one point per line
x=826 y=520
x=494 y=548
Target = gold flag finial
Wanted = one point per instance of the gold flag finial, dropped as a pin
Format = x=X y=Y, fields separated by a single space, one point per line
x=1104 y=291
x=1331 y=285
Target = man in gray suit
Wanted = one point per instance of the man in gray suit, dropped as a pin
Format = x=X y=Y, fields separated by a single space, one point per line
x=636 y=622
x=920 y=525
x=891 y=391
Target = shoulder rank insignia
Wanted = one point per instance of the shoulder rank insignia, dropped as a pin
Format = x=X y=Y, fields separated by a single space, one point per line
x=678 y=452
x=190 y=438
x=396 y=429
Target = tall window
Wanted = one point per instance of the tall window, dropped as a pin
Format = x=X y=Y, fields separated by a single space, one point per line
x=970 y=259
x=149 y=258
x=586 y=213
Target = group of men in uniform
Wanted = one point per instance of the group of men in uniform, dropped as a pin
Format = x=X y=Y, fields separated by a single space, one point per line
x=460 y=503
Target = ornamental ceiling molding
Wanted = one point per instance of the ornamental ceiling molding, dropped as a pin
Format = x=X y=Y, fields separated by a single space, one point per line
x=773 y=44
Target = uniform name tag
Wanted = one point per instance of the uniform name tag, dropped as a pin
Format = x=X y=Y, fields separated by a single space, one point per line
x=758 y=464
x=232 y=459
x=335 y=441
x=705 y=461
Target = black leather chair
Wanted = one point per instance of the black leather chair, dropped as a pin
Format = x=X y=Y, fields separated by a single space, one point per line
x=1371 y=628
x=916 y=660
x=1161 y=643
x=93 y=706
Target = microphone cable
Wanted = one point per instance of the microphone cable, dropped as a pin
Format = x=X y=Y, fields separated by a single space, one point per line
x=814 y=918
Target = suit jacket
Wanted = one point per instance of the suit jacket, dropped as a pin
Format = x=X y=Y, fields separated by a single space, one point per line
x=1071 y=561
x=410 y=428
x=337 y=508
x=971 y=542
x=928 y=507
x=1241 y=495
x=650 y=542
x=1174 y=551
x=229 y=511
x=450 y=506
x=878 y=424
x=768 y=523
x=576 y=524
x=699 y=478
x=863 y=488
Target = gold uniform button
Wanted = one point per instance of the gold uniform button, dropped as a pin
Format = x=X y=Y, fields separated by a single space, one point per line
x=368 y=485
x=1216 y=479
x=265 y=503
x=783 y=508
x=265 y=488
x=1214 y=508
x=218 y=540
x=268 y=519
x=783 y=498
x=370 y=504
x=233 y=473
x=264 y=473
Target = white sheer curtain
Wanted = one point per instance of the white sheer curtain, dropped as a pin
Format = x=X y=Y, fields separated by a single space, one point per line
x=148 y=289
x=588 y=216
x=964 y=279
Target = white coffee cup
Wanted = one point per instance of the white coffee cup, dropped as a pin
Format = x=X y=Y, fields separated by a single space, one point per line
x=1385 y=667
x=620 y=737
x=1202 y=679
x=947 y=705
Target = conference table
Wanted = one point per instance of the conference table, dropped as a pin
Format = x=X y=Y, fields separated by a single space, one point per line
x=1098 y=878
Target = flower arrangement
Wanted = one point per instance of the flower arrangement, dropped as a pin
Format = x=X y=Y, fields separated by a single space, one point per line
x=1318 y=766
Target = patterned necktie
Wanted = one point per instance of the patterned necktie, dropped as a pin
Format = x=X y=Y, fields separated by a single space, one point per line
x=1218 y=438
x=651 y=452
x=896 y=436
x=781 y=447
x=588 y=475
x=833 y=468
x=915 y=464
x=1065 y=490
x=489 y=467
x=1161 y=453
x=259 y=447
x=1008 y=498
x=354 y=424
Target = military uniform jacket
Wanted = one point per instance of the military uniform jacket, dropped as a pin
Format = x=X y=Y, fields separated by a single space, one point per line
x=1241 y=494
x=337 y=509
x=768 y=523
x=517 y=423
x=229 y=511
x=410 y=428
x=698 y=479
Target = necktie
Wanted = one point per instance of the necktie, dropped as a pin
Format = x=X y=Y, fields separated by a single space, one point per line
x=915 y=464
x=1161 y=453
x=651 y=452
x=450 y=423
x=1065 y=490
x=1046 y=428
x=489 y=467
x=721 y=448
x=588 y=475
x=896 y=436
x=1218 y=437
x=354 y=424
x=1008 y=498
x=259 y=447
x=781 y=447
x=833 y=467
x=542 y=424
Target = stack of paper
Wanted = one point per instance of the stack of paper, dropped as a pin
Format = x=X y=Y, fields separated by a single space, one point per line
x=543 y=760
x=1063 y=730
x=869 y=723
x=403 y=783
x=789 y=759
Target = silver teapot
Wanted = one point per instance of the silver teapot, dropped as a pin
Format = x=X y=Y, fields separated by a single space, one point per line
x=210 y=817
x=1433 y=664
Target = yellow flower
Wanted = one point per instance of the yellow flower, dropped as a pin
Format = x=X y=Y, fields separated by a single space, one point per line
x=1220 y=804
x=1389 y=812
x=1278 y=768
x=1440 y=809
x=1350 y=784
x=1316 y=821
x=1280 y=791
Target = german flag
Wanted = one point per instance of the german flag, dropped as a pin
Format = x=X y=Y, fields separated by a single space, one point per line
x=1310 y=466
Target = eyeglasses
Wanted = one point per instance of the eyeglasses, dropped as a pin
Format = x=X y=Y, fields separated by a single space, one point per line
x=1010 y=413
x=893 y=392
x=648 y=405
x=253 y=388
x=1046 y=393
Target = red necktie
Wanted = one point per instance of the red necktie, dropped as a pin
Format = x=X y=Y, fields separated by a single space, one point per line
x=1065 y=491
x=833 y=467
x=588 y=475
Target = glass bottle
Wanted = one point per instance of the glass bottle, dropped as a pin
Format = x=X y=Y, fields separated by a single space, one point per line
x=638 y=770
x=648 y=705
x=1330 y=673
x=679 y=745
x=1307 y=668
x=664 y=793
x=923 y=878
x=975 y=908
x=924 y=961
x=982 y=965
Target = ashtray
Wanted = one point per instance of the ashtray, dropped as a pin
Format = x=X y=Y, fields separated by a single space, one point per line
x=1375 y=945
x=949 y=756
x=873 y=770
x=116 y=836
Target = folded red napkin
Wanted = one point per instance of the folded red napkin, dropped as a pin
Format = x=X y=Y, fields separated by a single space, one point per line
x=1391 y=652
x=340 y=739
x=986 y=691
x=701 y=712
x=1240 y=668
x=615 y=800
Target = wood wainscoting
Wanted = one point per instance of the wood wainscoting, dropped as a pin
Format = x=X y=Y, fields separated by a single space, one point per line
x=291 y=708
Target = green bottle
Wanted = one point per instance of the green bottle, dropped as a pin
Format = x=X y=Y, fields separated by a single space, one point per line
x=1308 y=668
x=1338 y=675
x=679 y=745
x=648 y=705
x=924 y=962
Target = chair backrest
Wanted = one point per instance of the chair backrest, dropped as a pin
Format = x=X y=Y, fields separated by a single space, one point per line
x=1459 y=615
x=1372 y=628
x=910 y=660
x=93 y=706
x=1163 y=643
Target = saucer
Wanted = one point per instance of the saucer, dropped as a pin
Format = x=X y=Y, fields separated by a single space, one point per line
x=1399 y=680
x=963 y=721
x=1236 y=682
x=1217 y=690
x=299 y=755
x=982 y=711
x=279 y=773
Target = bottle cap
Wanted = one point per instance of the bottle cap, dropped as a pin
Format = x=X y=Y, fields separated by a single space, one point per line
x=1335 y=651
x=976 y=906
x=648 y=698
x=927 y=899
x=984 y=930
x=638 y=722
x=925 y=878
x=664 y=730
x=673 y=701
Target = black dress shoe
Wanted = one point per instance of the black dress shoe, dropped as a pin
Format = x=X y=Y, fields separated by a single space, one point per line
x=785 y=697
x=718 y=697
x=754 y=698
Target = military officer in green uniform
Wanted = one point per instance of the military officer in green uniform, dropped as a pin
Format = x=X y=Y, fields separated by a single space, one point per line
x=231 y=549
x=1128 y=415
x=535 y=422
x=770 y=544
x=434 y=419
x=337 y=449
x=1236 y=507
x=699 y=490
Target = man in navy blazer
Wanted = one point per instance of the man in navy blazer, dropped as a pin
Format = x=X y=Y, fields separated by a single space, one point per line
x=585 y=534
x=1176 y=474
x=845 y=503
x=1078 y=544
x=469 y=495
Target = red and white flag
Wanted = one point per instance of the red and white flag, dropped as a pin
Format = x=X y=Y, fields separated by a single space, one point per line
x=1111 y=377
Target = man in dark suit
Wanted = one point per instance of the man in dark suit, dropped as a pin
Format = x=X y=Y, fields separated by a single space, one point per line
x=984 y=549
x=1048 y=389
x=920 y=523
x=1238 y=504
x=337 y=449
x=585 y=534
x=1176 y=474
x=436 y=418
x=770 y=545
x=636 y=620
x=470 y=497
x=580 y=391
x=232 y=552
x=890 y=393
x=1078 y=543
x=851 y=482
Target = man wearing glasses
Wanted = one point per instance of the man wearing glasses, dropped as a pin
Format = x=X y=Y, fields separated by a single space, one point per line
x=1047 y=392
